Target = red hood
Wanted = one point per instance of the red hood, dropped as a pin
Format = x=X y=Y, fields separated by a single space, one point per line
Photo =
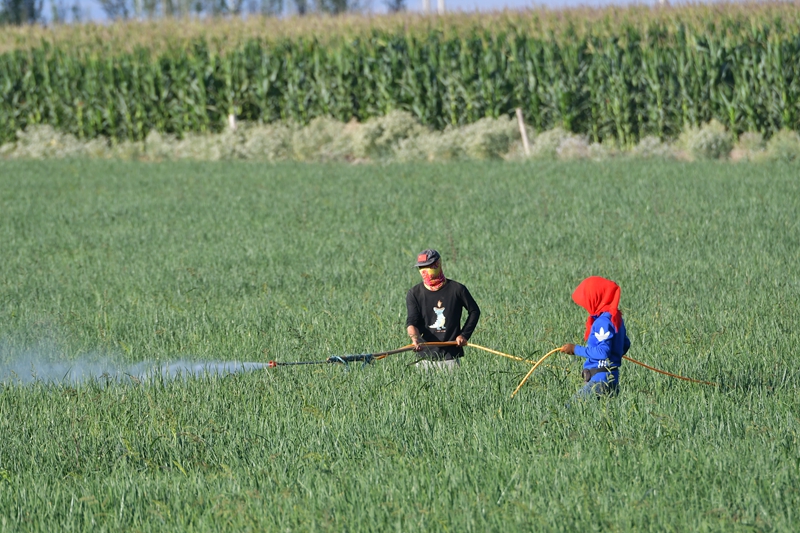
x=598 y=295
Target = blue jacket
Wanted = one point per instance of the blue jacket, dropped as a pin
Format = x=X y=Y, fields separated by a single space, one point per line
x=605 y=348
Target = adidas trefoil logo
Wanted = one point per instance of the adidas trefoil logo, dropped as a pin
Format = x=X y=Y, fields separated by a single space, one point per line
x=602 y=335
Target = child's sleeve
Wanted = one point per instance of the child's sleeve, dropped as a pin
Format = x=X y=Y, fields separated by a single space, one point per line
x=599 y=346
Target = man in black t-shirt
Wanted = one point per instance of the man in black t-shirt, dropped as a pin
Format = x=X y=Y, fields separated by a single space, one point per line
x=434 y=312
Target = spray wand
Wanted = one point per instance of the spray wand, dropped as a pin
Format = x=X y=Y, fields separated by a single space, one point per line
x=365 y=358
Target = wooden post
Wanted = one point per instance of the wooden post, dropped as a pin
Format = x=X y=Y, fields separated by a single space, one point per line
x=525 y=144
x=232 y=122
x=440 y=7
x=426 y=6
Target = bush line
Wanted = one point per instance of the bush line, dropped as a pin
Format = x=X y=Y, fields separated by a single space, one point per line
x=397 y=137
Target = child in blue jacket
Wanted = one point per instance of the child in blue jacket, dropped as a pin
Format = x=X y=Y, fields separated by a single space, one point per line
x=606 y=336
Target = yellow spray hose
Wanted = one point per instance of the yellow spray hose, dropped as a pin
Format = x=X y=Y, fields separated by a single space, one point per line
x=514 y=357
x=548 y=354
x=539 y=362
x=670 y=374
x=648 y=367
x=536 y=364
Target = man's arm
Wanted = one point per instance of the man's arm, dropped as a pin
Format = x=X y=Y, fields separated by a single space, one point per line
x=413 y=332
x=473 y=315
x=413 y=317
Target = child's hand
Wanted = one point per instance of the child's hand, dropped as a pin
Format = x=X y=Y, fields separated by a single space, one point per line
x=568 y=349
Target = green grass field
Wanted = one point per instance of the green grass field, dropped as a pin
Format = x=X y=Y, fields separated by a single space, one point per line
x=129 y=262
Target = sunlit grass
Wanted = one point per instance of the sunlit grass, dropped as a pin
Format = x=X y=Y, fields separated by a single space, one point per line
x=250 y=262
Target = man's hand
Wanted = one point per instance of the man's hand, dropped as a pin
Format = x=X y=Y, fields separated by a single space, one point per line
x=413 y=332
x=461 y=341
x=417 y=344
x=569 y=349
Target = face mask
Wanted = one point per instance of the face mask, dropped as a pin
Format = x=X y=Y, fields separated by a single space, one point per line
x=433 y=276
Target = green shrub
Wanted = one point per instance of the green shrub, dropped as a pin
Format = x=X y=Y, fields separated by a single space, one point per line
x=158 y=146
x=447 y=145
x=44 y=142
x=545 y=145
x=222 y=147
x=784 y=146
x=709 y=141
x=269 y=142
x=324 y=139
x=127 y=151
x=489 y=138
x=411 y=149
x=561 y=144
x=652 y=147
x=395 y=137
x=573 y=147
x=751 y=141
x=601 y=152
x=380 y=136
x=749 y=147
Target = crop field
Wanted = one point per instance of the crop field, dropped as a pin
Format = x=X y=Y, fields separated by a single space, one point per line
x=110 y=266
x=613 y=75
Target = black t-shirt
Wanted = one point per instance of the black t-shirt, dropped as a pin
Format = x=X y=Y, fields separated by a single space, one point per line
x=437 y=316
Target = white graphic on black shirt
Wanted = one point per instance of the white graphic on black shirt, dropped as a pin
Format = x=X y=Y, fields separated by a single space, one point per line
x=439 y=324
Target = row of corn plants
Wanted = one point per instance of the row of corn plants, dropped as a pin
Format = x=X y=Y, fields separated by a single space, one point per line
x=228 y=33
x=619 y=86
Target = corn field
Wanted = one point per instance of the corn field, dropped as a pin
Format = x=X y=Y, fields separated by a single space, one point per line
x=618 y=82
